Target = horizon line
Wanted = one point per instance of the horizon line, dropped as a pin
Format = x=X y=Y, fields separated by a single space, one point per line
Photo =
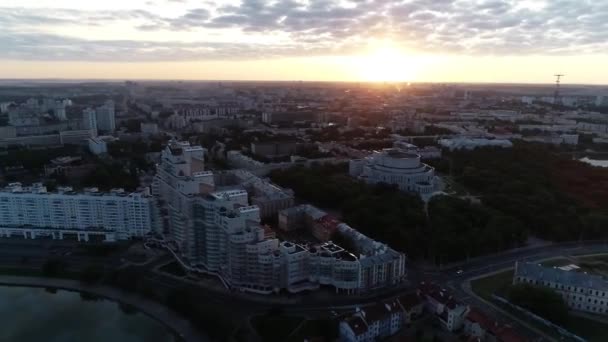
x=114 y=80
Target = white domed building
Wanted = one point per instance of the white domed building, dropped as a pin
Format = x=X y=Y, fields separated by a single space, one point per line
x=399 y=167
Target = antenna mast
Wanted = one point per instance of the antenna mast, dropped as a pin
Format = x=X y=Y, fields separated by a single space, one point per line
x=556 y=96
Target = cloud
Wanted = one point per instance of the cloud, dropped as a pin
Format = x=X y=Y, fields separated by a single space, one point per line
x=478 y=27
x=26 y=46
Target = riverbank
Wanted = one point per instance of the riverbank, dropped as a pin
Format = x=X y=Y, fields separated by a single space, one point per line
x=166 y=316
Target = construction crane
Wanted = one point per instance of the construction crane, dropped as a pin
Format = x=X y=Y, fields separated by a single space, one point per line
x=556 y=97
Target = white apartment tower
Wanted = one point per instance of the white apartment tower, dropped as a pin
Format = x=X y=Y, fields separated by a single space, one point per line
x=106 y=117
x=179 y=178
x=32 y=212
x=212 y=221
x=89 y=119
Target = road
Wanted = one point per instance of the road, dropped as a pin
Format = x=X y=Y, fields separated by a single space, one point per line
x=458 y=284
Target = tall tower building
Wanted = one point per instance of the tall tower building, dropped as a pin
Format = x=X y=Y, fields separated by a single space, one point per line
x=106 y=120
x=179 y=177
x=59 y=110
x=89 y=119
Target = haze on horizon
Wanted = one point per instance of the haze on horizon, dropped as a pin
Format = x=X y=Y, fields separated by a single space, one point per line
x=520 y=41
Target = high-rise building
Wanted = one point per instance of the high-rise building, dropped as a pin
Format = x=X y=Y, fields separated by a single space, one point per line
x=89 y=119
x=179 y=177
x=32 y=212
x=59 y=110
x=106 y=118
x=215 y=220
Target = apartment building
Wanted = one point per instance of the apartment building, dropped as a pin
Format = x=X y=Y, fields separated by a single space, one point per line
x=179 y=177
x=215 y=220
x=33 y=212
x=580 y=291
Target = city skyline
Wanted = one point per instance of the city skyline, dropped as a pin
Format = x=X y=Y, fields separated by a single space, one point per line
x=375 y=40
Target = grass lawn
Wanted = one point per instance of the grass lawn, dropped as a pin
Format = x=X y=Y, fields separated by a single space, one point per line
x=313 y=328
x=275 y=327
x=173 y=268
x=588 y=329
x=23 y=272
x=497 y=283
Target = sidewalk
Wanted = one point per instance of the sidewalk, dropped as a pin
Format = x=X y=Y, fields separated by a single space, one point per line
x=159 y=312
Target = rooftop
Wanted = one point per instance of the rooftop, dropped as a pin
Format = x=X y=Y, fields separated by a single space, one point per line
x=400 y=154
x=556 y=275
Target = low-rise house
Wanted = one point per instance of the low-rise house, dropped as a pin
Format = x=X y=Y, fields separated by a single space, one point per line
x=413 y=306
x=374 y=322
x=450 y=312
x=480 y=328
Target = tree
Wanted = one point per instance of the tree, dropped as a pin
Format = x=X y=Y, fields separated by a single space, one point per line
x=133 y=125
x=92 y=274
x=541 y=301
x=54 y=267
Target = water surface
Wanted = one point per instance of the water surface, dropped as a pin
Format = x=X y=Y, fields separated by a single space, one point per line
x=35 y=314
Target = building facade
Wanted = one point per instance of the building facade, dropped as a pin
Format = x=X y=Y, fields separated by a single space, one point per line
x=580 y=291
x=215 y=220
x=179 y=177
x=396 y=166
x=106 y=117
x=32 y=212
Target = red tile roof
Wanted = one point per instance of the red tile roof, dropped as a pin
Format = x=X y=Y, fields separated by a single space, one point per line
x=409 y=301
x=381 y=311
x=480 y=318
x=329 y=223
x=357 y=325
x=508 y=334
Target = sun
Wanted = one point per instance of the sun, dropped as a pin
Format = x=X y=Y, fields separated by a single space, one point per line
x=385 y=63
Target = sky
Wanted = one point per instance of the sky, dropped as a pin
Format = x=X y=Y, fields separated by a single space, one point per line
x=523 y=41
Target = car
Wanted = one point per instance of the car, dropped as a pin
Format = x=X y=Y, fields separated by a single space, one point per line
x=459 y=272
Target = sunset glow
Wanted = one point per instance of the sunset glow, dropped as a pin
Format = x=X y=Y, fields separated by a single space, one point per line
x=386 y=63
x=451 y=41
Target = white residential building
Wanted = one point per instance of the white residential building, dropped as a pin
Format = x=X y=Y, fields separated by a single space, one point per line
x=179 y=177
x=106 y=117
x=215 y=221
x=580 y=291
x=241 y=161
x=97 y=146
x=32 y=212
x=395 y=166
x=89 y=119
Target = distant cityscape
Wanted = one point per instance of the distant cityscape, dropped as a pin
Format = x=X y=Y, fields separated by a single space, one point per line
x=362 y=212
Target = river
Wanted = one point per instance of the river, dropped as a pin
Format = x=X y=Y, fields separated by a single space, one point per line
x=34 y=314
x=595 y=162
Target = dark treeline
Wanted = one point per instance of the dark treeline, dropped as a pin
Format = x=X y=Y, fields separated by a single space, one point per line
x=454 y=230
x=556 y=198
x=527 y=190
